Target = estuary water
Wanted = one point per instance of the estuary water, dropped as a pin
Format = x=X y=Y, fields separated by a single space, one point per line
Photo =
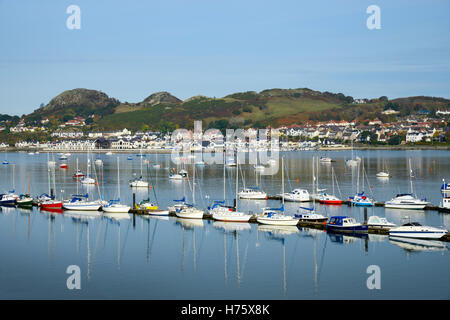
x=139 y=257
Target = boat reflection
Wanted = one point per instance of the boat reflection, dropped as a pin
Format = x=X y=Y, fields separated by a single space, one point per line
x=279 y=233
x=417 y=245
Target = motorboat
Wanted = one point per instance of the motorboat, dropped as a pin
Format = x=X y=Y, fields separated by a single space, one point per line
x=252 y=193
x=63 y=158
x=109 y=153
x=416 y=230
x=345 y=224
x=81 y=203
x=99 y=162
x=382 y=222
x=63 y=165
x=9 y=199
x=406 y=201
x=295 y=195
x=308 y=214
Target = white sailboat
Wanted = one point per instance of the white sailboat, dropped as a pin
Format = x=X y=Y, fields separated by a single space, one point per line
x=276 y=216
x=139 y=182
x=227 y=214
x=88 y=179
x=352 y=162
x=189 y=211
x=114 y=206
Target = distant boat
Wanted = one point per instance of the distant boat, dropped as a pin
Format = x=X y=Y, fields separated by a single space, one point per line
x=63 y=165
x=382 y=174
x=99 y=162
x=5 y=162
x=325 y=160
x=63 y=158
x=109 y=153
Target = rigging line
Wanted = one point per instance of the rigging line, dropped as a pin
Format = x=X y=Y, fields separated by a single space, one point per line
x=125 y=241
x=288 y=178
x=200 y=246
x=293 y=256
x=153 y=240
x=97 y=237
x=244 y=263
x=322 y=259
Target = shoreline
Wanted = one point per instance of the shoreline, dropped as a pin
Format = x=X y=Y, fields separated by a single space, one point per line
x=168 y=151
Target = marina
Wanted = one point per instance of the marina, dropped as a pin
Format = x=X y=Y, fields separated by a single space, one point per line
x=170 y=236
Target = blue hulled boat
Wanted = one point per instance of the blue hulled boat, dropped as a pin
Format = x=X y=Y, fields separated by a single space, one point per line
x=346 y=224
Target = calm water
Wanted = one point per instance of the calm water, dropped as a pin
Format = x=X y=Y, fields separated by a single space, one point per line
x=168 y=258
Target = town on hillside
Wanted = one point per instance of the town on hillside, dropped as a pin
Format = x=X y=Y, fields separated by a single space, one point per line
x=414 y=129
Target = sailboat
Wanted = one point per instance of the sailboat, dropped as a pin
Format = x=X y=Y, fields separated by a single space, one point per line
x=78 y=173
x=9 y=198
x=384 y=173
x=407 y=200
x=51 y=203
x=253 y=193
x=276 y=216
x=152 y=208
x=326 y=198
x=87 y=179
x=360 y=199
x=352 y=161
x=139 y=182
x=25 y=200
x=296 y=195
x=227 y=214
x=114 y=206
x=190 y=211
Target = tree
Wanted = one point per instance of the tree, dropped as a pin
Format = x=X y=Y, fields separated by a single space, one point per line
x=395 y=140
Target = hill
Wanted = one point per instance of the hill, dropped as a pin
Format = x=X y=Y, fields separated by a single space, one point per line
x=274 y=107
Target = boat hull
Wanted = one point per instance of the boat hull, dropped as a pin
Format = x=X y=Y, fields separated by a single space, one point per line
x=348 y=229
x=277 y=222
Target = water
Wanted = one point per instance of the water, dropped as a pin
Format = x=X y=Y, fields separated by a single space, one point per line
x=169 y=258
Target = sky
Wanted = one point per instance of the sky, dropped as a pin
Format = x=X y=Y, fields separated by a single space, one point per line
x=131 y=49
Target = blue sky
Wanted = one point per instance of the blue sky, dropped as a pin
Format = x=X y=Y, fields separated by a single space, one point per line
x=130 y=49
